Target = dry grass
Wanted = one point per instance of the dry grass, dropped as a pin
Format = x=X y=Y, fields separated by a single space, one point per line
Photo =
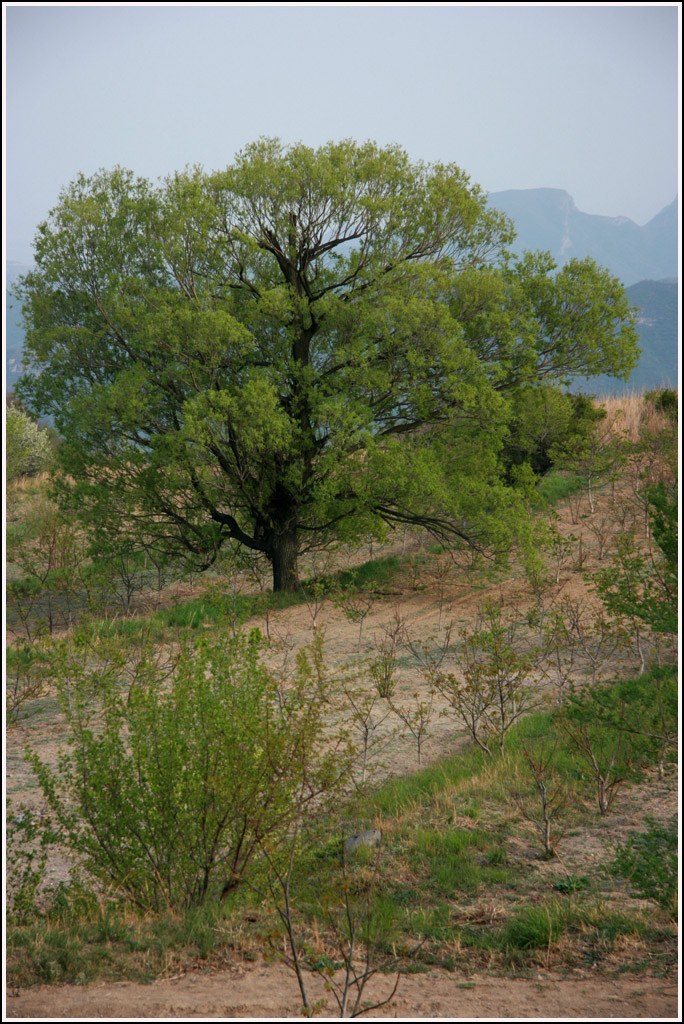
x=633 y=415
x=29 y=483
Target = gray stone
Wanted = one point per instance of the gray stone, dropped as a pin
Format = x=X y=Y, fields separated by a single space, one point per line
x=372 y=837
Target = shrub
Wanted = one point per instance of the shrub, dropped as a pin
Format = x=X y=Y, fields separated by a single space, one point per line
x=49 y=559
x=649 y=861
x=28 y=670
x=644 y=584
x=605 y=753
x=26 y=861
x=647 y=708
x=665 y=400
x=544 y=809
x=28 y=448
x=497 y=666
x=169 y=788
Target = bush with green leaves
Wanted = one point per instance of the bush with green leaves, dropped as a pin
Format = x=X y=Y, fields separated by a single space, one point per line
x=643 y=583
x=605 y=754
x=649 y=861
x=619 y=728
x=48 y=558
x=26 y=855
x=170 y=785
x=27 y=668
x=593 y=450
x=28 y=448
x=665 y=400
x=544 y=421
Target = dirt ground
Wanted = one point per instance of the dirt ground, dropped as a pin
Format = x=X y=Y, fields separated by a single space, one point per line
x=271 y=992
x=253 y=991
x=427 y=605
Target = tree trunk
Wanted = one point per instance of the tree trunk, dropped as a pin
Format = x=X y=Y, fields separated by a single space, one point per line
x=283 y=556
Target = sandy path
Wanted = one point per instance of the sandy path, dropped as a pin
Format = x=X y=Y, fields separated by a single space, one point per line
x=270 y=991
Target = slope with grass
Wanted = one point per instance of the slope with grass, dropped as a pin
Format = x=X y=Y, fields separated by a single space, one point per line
x=465 y=886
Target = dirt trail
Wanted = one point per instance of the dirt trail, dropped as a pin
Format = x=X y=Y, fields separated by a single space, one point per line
x=271 y=992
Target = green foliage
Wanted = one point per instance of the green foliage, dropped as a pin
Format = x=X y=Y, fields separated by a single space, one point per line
x=649 y=860
x=528 y=327
x=26 y=846
x=665 y=400
x=28 y=448
x=572 y=883
x=558 y=485
x=169 y=787
x=644 y=584
x=645 y=708
x=664 y=508
x=214 y=609
x=544 y=422
x=592 y=449
x=383 y=672
x=28 y=671
x=304 y=346
x=377 y=573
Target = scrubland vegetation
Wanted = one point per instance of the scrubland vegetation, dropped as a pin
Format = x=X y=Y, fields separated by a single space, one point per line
x=200 y=748
x=339 y=620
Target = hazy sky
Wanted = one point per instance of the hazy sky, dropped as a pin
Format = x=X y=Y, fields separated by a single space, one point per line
x=579 y=98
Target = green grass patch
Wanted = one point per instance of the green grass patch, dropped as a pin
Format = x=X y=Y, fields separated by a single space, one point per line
x=208 y=611
x=426 y=787
x=376 y=574
x=213 y=609
x=77 y=946
x=558 y=484
x=536 y=926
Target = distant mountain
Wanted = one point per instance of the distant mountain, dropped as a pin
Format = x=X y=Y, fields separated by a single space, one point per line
x=658 y=333
x=547 y=218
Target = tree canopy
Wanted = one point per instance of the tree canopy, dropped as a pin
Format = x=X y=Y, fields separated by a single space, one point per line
x=308 y=344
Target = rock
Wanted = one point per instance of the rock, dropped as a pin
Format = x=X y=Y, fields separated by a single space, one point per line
x=372 y=837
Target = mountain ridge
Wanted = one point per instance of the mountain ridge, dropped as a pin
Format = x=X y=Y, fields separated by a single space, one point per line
x=549 y=219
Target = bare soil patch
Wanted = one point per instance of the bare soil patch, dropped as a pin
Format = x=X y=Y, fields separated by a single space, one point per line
x=270 y=991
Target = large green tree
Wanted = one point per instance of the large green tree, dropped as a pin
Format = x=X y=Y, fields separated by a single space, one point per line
x=307 y=344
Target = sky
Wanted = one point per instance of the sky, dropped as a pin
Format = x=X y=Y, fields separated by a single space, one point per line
x=578 y=98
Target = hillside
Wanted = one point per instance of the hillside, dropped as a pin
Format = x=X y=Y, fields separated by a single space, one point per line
x=478 y=911
x=657 y=325
x=547 y=218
